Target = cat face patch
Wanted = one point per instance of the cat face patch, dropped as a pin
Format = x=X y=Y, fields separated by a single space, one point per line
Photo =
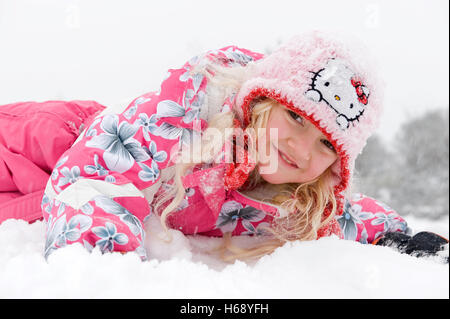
x=341 y=89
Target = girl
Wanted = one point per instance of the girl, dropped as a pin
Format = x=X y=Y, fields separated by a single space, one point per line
x=233 y=143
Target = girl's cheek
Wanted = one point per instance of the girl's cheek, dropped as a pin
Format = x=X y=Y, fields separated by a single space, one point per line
x=329 y=158
x=322 y=163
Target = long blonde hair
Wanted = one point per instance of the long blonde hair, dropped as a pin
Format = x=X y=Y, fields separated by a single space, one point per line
x=306 y=202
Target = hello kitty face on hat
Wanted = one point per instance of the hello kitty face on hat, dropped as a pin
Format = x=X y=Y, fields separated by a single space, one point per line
x=340 y=88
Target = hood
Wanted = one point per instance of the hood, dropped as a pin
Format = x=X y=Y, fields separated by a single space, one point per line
x=330 y=84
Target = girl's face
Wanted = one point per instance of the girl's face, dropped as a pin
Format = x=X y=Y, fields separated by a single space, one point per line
x=299 y=154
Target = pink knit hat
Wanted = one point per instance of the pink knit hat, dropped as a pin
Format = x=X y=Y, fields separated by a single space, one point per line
x=326 y=82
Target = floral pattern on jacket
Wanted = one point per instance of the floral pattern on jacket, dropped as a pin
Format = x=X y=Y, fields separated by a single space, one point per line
x=98 y=191
x=365 y=219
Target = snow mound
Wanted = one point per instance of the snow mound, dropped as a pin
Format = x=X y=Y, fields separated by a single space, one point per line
x=185 y=268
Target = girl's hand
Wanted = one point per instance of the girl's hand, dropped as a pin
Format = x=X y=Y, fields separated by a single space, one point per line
x=420 y=245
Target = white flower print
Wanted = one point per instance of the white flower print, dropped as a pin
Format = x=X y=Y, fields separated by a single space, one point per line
x=169 y=108
x=147 y=173
x=60 y=162
x=121 y=149
x=260 y=230
x=232 y=211
x=132 y=110
x=91 y=130
x=70 y=176
x=237 y=57
x=96 y=168
x=148 y=124
x=349 y=219
x=152 y=173
x=112 y=207
x=62 y=231
x=108 y=236
x=389 y=221
x=160 y=156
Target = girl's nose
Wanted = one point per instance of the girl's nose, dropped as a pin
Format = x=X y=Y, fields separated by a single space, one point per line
x=301 y=149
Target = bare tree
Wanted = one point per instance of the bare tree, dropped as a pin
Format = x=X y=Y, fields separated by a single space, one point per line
x=422 y=146
x=413 y=178
x=374 y=173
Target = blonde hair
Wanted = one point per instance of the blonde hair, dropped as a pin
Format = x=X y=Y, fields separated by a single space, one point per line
x=306 y=202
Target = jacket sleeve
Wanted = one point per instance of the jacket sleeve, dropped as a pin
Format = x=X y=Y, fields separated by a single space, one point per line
x=182 y=97
x=99 y=190
x=96 y=193
x=365 y=219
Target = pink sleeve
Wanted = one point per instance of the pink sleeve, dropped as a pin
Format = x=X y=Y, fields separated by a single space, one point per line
x=33 y=135
x=365 y=219
x=94 y=196
x=95 y=193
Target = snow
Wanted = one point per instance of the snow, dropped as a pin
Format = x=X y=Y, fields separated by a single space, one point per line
x=183 y=268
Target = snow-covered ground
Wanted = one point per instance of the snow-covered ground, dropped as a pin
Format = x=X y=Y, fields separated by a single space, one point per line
x=327 y=268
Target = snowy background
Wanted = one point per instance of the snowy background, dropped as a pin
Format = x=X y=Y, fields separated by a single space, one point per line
x=112 y=51
x=327 y=268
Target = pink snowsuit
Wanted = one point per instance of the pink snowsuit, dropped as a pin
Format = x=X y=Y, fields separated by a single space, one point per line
x=32 y=138
x=102 y=189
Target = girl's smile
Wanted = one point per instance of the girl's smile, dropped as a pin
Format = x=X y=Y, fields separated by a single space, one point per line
x=285 y=159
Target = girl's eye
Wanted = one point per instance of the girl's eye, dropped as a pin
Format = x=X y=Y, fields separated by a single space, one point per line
x=329 y=145
x=296 y=117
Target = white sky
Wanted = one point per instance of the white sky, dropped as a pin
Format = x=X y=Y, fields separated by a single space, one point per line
x=112 y=50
